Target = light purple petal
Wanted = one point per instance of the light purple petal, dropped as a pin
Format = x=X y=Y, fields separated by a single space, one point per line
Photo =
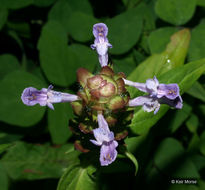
x=140 y=101
x=152 y=85
x=95 y=142
x=50 y=105
x=101 y=135
x=171 y=91
x=139 y=86
x=102 y=123
x=108 y=153
x=32 y=96
x=100 y=30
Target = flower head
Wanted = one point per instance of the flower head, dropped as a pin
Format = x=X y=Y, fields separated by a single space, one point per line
x=105 y=138
x=43 y=97
x=101 y=43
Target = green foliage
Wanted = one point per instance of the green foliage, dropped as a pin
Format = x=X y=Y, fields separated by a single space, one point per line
x=119 y=26
x=45 y=41
x=58 y=123
x=159 y=38
x=3 y=16
x=4 y=182
x=197 y=45
x=170 y=159
x=37 y=161
x=76 y=178
x=176 y=12
x=8 y=63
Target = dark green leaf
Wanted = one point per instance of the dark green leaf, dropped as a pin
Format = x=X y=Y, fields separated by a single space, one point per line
x=4 y=182
x=85 y=56
x=8 y=63
x=200 y=3
x=43 y=3
x=179 y=117
x=127 y=65
x=76 y=178
x=28 y=161
x=159 y=38
x=4 y=147
x=64 y=9
x=197 y=44
x=15 y=4
x=192 y=123
x=80 y=26
x=124 y=30
x=57 y=61
x=170 y=159
x=3 y=16
x=202 y=143
x=58 y=122
x=12 y=110
x=197 y=91
x=176 y=12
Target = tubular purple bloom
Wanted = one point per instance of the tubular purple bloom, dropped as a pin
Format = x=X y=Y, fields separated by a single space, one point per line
x=101 y=43
x=157 y=94
x=43 y=97
x=149 y=103
x=105 y=138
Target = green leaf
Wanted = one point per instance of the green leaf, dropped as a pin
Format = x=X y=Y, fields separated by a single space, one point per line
x=179 y=117
x=200 y=3
x=12 y=110
x=177 y=12
x=3 y=16
x=4 y=182
x=185 y=76
x=77 y=178
x=4 y=147
x=64 y=9
x=80 y=26
x=8 y=63
x=57 y=61
x=127 y=65
x=16 y=4
x=158 y=39
x=197 y=91
x=133 y=159
x=202 y=143
x=197 y=44
x=28 y=161
x=43 y=3
x=58 y=123
x=124 y=30
x=192 y=123
x=170 y=159
x=85 y=57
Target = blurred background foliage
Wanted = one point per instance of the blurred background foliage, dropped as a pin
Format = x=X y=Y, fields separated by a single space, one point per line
x=44 y=42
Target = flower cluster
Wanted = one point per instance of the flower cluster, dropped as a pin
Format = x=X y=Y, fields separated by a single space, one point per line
x=102 y=98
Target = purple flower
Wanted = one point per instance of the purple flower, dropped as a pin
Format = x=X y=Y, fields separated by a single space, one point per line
x=157 y=94
x=105 y=138
x=101 y=43
x=43 y=97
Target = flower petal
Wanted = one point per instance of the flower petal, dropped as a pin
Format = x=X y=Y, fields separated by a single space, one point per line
x=102 y=123
x=108 y=153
